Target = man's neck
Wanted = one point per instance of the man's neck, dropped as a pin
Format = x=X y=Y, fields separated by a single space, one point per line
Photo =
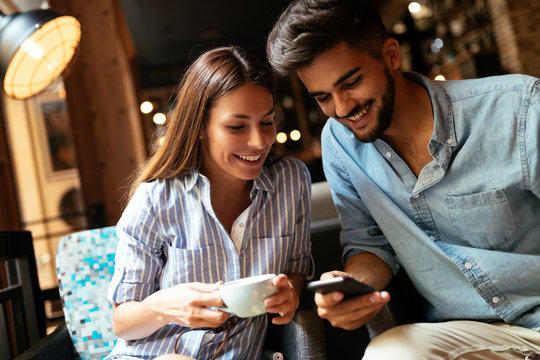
x=412 y=123
x=413 y=114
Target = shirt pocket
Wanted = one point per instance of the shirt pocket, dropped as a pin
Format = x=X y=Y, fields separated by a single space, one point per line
x=188 y=265
x=271 y=254
x=483 y=220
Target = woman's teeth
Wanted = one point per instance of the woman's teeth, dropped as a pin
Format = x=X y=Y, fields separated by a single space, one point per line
x=250 y=157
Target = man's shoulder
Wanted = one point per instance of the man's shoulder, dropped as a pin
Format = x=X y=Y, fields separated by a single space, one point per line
x=461 y=89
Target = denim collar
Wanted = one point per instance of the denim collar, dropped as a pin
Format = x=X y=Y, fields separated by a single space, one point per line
x=443 y=117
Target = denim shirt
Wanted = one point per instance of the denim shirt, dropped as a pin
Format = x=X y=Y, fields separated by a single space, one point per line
x=467 y=230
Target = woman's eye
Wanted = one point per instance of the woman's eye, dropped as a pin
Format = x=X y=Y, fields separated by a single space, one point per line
x=235 y=127
x=267 y=123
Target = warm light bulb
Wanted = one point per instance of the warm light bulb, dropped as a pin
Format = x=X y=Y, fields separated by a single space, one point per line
x=33 y=49
x=295 y=135
x=146 y=107
x=440 y=77
x=159 y=118
x=281 y=137
x=414 y=7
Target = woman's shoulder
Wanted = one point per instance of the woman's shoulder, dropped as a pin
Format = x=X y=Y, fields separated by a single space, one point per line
x=287 y=163
x=289 y=168
x=160 y=188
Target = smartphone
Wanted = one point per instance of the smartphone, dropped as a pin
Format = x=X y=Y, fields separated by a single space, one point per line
x=348 y=286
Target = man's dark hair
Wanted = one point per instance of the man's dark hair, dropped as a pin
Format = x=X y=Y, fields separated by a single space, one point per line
x=309 y=27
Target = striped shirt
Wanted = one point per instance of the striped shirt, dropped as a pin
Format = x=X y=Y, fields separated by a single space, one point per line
x=169 y=234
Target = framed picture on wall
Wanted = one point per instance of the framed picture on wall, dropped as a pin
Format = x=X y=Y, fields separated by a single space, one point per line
x=55 y=133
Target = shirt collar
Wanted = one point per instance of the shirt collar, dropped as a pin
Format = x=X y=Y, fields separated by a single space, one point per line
x=264 y=182
x=443 y=117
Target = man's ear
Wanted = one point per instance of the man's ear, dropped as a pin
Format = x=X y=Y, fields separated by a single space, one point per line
x=391 y=54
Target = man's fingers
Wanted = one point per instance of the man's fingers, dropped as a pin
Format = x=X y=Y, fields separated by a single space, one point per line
x=328 y=299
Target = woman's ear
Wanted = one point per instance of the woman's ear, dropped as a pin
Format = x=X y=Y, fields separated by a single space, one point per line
x=391 y=54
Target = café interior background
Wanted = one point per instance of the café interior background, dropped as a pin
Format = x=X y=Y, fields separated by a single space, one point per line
x=65 y=154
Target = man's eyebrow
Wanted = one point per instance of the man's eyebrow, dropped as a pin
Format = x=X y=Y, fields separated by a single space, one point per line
x=344 y=77
x=347 y=75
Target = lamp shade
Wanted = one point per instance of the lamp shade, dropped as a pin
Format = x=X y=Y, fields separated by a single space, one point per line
x=35 y=47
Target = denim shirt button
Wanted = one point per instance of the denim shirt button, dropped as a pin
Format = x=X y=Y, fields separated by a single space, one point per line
x=495 y=300
x=388 y=154
x=416 y=196
x=468 y=266
x=448 y=141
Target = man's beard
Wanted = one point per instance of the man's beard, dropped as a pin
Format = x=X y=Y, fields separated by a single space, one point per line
x=384 y=118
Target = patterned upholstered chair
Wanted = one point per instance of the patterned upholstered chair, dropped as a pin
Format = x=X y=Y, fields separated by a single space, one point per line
x=85 y=264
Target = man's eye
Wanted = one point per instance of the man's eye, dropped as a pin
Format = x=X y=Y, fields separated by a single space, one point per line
x=353 y=83
x=322 y=99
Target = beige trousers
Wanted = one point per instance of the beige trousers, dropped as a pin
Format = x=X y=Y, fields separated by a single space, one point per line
x=464 y=340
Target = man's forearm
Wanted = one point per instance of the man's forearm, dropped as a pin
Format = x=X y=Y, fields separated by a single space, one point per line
x=369 y=269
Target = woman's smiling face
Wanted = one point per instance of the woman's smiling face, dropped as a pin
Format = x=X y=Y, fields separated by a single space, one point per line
x=239 y=135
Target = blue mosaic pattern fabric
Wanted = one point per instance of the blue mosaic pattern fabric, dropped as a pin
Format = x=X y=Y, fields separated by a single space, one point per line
x=84 y=266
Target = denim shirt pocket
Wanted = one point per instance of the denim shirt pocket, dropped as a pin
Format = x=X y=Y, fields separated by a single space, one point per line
x=483 y=220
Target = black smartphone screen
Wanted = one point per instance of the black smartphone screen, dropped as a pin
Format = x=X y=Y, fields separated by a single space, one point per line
x=348 y=286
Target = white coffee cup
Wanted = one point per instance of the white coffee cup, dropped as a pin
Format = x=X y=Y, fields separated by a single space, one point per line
x=245 y=297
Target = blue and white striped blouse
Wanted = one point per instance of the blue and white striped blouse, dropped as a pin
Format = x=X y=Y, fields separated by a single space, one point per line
x=169 y=234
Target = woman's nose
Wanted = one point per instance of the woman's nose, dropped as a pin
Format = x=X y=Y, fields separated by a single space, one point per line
x=256 y=138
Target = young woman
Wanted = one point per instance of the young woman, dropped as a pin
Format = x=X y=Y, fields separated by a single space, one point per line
x=211 y=205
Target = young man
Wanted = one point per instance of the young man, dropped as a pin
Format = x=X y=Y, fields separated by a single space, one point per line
x=439 y=178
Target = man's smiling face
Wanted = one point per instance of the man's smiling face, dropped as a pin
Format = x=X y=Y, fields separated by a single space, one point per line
x=352 y=87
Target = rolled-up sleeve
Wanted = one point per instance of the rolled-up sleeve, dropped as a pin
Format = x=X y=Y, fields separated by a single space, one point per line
x=139 y=256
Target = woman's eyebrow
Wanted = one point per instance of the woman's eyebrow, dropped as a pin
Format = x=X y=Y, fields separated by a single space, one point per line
x=244 y=116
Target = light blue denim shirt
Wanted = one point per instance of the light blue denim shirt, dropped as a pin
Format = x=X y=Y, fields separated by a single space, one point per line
x=467 y=230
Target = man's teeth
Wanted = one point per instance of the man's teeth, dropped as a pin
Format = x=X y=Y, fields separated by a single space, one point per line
x=361 y=113
x=250 y=158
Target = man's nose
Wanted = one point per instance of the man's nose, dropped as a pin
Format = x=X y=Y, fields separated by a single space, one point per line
x=343 y=105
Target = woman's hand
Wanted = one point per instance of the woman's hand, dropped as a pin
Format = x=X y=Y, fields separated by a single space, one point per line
x=185 y=304
x=188 y=305
x=285 y=301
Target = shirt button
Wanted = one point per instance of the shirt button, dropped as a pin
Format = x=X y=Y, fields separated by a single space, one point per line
x=388 y=154
x=495 y=300
x=416 y=196
x=449 y=141
x=468 y=266
x=432 y=237
x=241 y=225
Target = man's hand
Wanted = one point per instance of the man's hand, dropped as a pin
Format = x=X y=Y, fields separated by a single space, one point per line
x=352 y=313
